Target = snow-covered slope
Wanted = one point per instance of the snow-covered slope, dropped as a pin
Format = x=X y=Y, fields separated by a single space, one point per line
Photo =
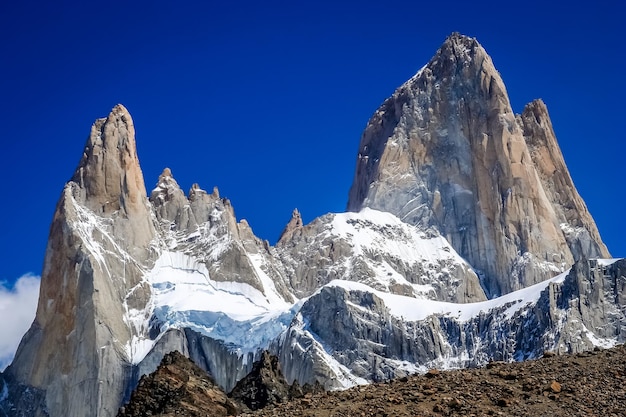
x=185 y=296
x=377 y=335
x=194 y=283
x=363 y=296
x=377 y=249
x=346 y=299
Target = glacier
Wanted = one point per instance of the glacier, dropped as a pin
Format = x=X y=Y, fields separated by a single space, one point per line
x=248 y=318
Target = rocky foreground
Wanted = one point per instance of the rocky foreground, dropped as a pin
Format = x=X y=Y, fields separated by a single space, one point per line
x=585 y=384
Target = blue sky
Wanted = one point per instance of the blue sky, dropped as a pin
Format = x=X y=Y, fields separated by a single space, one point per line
x=267 y=100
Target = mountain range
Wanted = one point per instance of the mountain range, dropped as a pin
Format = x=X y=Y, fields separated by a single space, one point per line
x=464 y=241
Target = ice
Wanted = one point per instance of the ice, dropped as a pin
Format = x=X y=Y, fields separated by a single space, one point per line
x=185 y=296
x=248 y=318
x=413 y=309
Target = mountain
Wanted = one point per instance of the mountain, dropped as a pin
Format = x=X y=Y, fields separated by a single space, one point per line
x=447 y=151
x=465 y=242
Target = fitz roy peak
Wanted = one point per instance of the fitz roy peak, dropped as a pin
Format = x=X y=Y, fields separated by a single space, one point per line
x=447 y=151
x=465 y=241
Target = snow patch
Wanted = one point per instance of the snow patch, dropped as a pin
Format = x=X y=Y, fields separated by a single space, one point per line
x=607 y=262
x=412 y=309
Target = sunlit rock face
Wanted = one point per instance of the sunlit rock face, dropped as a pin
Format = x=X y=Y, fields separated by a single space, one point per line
x=98 y=250
x=455 y=202
x=446 y=150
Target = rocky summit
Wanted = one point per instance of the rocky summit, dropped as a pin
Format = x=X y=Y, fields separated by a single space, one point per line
x=447 y=151
x=465 y=242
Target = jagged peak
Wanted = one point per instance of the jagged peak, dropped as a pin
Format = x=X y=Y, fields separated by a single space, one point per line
x=120 y=111
x=195 y=191
x=458 y=55
x=294 y=223
x=166 y=186
x=108 y=173
x=109 y=133
x=295 y=215
x=461 y=46
x=458 y=51
x=458 y=39
x=535 y=116
x=537 y=106
x=166 y=181
x=166 y=173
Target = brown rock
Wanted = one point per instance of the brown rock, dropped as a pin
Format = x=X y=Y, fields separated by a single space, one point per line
x=455 y=403
x=555 y=387
x=294 y=224
x=178 y=387
x=85 y=273
x=264 y=385
x=486 y=393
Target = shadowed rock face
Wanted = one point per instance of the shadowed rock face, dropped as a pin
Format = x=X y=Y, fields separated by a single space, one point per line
x=264 y=385
x=178 y=388
x=446 y=150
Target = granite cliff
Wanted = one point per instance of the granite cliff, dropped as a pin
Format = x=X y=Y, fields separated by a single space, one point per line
x=446 y=150
x=465 y=242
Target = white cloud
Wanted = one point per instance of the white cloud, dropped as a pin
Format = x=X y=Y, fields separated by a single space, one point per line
x=17 y=311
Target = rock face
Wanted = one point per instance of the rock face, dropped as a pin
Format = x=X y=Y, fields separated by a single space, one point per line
x=264 y=385
x=448 y=182
x=446 y=150
x=575 y=221
x=379 y=250
x=98 y=250
x=572 y=312
x=178 y=388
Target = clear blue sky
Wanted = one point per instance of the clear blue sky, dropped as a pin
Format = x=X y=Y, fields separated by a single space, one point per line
x=267 y=100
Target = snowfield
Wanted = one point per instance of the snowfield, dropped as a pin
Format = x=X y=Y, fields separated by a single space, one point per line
x=184 y=295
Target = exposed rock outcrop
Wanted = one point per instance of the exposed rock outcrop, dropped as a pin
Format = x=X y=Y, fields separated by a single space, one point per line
x=178 y=388
x=264 y=385
x=446 y=150
x=568 y=314
x=294 y=224
x=98 y=250
x=575 y=221
x=379 y=250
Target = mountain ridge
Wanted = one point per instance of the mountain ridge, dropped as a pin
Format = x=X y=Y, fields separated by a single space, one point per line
x=347 y=299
